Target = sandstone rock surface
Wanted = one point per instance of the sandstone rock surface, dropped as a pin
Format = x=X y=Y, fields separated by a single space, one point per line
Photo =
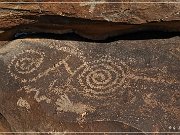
x=131 y=11
x=91 y=19
x=50 y=85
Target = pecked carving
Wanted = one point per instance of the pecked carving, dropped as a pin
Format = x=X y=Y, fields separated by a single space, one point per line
x=69 y=81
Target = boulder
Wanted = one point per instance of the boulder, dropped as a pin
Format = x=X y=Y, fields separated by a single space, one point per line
x=91 y=19
x=69 y=86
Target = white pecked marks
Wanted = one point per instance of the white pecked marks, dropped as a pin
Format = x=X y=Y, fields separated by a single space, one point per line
x=25 y=62
x=101 y=78
x=23 y=103
x=64 y=104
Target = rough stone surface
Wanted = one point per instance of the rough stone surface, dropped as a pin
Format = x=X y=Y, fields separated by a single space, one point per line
x=4 y=125
x=50 y=85
x=111 y=18
x=133 y=13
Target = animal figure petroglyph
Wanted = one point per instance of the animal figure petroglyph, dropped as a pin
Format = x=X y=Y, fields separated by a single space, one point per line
x=64 y=104
x=98 y=79
x=79 y=81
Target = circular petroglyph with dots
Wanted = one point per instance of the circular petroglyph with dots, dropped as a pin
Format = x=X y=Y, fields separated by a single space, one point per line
x=101 y=79
x=25 y=62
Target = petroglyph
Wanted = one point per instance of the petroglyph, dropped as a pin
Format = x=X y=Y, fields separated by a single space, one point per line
x=23 y=103
x=25 y=63
x=30 y=60
x=71 y=49
x=71 y=62
x=159 y=79
x=47 y=71
x=72 y=54
x=64 y=104
x=92 y=4
x=38 y=98
x=100 y=78
x=55 y=89
x=71 y=85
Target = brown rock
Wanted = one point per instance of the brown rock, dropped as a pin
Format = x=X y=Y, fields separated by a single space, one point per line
x=134 y=12
x=90 y=20
x=4 y=126
x=50 y=85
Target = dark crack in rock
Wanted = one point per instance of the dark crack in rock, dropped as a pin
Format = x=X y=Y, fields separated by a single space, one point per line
x=91 y=19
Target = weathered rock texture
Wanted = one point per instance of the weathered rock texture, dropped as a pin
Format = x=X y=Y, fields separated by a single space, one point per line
x=132 y=13
x=113 y=18
x=50 y=85
x=70 y=86
x=4 y=126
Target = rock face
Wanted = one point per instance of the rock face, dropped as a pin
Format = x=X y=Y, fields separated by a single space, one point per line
x=4 y=126
x=68 y=86
x=91 y=19
x=131 y=11
x=50 y=85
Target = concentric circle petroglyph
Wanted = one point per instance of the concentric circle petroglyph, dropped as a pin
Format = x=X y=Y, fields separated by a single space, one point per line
x=101 y=78
x=26 y=62
x=30 y=64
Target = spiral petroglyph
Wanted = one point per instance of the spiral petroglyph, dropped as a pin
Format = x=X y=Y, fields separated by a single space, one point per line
x=25 y=63
x=101 y=78
x=60 y=83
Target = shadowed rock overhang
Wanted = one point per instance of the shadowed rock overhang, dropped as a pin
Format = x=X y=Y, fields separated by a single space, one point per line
x=96 y=21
